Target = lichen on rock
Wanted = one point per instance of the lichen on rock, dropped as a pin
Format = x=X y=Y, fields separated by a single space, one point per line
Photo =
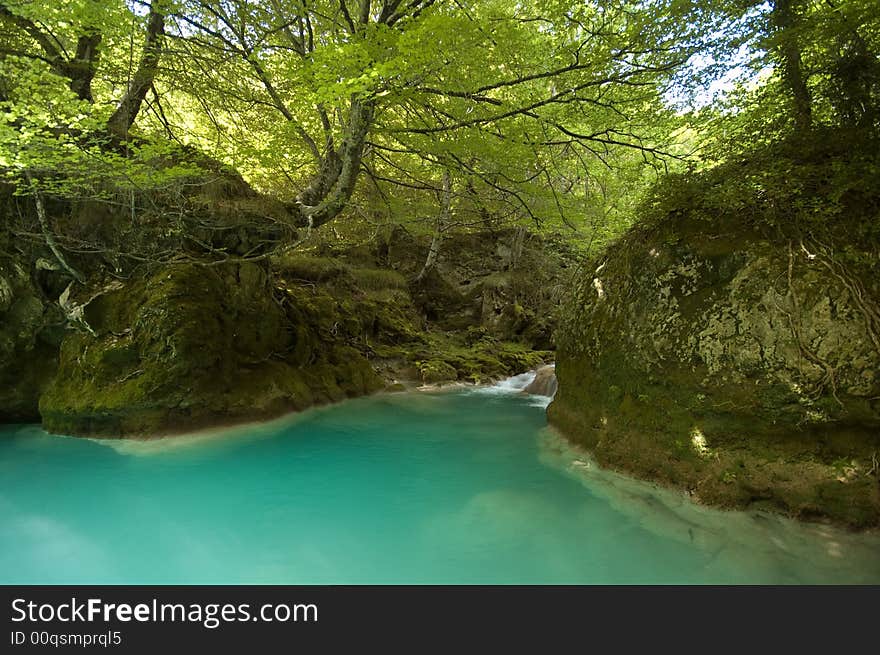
x=749 y=342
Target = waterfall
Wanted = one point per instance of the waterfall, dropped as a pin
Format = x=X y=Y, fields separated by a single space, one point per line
x=519 y=385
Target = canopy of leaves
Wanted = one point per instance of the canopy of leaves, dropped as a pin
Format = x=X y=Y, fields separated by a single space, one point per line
x=550 y=113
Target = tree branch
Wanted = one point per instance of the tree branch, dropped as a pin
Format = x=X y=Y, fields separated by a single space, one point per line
x=126 y=112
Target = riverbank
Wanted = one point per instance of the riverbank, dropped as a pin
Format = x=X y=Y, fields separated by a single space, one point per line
x=678 y=515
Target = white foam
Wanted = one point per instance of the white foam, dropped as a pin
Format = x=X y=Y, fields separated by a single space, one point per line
x=539 y=401
x=516 y=385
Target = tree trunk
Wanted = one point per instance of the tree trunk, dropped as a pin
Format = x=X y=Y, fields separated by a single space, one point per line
x=328 y=195
x=440 y=226
x=785 y=21
x=126 y=113
x=323 y=181
x=81 y=69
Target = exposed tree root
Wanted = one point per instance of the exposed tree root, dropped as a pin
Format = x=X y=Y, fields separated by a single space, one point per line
x=857 y=291
x=829 y=379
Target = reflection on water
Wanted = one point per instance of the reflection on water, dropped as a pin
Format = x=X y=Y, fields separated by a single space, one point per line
x=757 y=540
x=467 y=486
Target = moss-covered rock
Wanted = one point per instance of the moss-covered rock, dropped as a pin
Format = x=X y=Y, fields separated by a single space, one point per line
x=506 y=281
x=436 y=370
x=742 y=367
x=476 y=317
x=30 y=330
x=190 y=346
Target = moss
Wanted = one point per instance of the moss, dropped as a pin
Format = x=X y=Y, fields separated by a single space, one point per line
x=436 y=370
x=689 y=324
x=310 y=268
x=482 y=361
x=188 y=345
x=201 y=346
x=378 y=278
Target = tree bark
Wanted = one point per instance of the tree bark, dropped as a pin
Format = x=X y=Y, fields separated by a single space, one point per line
x=440 y=226
x=82 y=68
x=334 y=186
x=785 y=22
x=127 y=110
x=328 y=173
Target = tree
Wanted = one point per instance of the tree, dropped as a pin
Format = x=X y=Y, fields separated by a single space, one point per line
x=38 y=36
x=524 y=107
x=39 y=43
x=520 y=103
x=70 y=91
x=129 y=106
x=288 y=36
x=809 y=65
x=785 y=25
x=441 y=225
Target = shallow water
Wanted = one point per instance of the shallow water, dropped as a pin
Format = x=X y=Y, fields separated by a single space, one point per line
x=465 y=486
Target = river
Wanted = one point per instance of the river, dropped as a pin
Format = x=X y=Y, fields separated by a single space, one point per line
x=461 y=486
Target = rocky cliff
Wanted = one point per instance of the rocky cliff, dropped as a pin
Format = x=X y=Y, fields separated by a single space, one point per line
x=191 y=346
x=31 y=329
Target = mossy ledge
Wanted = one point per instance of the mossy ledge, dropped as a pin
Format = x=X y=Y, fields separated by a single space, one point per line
x=191 y=346
x=737 y=363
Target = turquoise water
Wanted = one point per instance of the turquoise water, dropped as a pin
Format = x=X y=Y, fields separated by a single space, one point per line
x=457 y=487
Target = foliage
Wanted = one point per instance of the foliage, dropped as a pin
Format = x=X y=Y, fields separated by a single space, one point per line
x=820 y=185
x=447 y=116
x=822 y=58
x=53 y=136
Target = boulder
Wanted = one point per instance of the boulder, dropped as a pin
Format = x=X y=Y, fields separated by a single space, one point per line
x=742 y=367
x=544 y=383
x=191 y=346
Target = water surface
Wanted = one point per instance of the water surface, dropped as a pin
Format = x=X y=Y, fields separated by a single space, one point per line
x=466 y=486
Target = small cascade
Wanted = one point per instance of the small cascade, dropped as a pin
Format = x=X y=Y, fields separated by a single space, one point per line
x=539 y=385
x=516 y=383
x=507 y=386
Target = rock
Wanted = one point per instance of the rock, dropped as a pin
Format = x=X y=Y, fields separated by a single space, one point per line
x=187 y=346
x=190 y=347
x=29 y=330
x=7 y=293
x=544 y=383
x=475 y=281
x=436 y=370
x=710 y=357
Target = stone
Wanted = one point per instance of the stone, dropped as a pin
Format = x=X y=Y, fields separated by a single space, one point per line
x=189 y=347
x=740 y=368
x=544 y=383
x=28 y=345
